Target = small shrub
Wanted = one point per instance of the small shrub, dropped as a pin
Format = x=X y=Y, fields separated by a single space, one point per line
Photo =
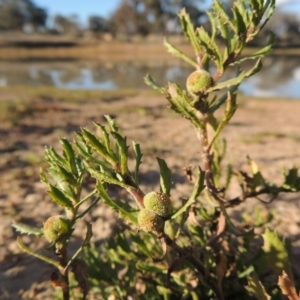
x=166 y=248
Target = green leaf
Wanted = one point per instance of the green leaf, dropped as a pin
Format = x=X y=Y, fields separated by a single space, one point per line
x=123 y=151
x=147 y=267
x=198 y=188
x=59 y=197
x=240 y=26
x=243 y=11
x=255 y=288
x=69 y=155
x=54 y=158
x=102 y=177
x=89 y=157
x=210 y=47
x=214 y=105
x=176 y=52
x=183 y=218
x=260 y=53
x=222 y=15
x=150 y=82
x=180 y=103
x=98 y=146
x=60 y=182
x=189 y=30
x=165 y=292
x=238 y=80
x=138 y=160
x=39 y=256
x=213 y=24
x=165 y=176
x=229 y=112
x=112 y=124
x=26 y=229
x=257 y=179
x=126 y=212
x=291 y=179
x=105 y=136
x=276 y=253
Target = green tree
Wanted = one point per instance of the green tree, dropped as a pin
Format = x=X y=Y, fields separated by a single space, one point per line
x=66 y=25
x=149 y=16
x=15 y=14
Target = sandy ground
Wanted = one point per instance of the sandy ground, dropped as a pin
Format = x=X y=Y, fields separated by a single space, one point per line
x=267 y=130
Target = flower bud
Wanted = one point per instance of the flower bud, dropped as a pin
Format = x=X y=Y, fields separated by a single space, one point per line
x=198 y=82
x=55 y=227
x=158 y=202
x=150 y=221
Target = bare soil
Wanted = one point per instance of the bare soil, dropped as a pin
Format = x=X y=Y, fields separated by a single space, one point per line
x=265 y=129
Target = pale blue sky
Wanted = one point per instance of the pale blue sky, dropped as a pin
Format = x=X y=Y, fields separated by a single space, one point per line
x=85 y=8
x=82 y=8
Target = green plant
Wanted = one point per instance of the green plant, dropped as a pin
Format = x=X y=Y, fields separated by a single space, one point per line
x=166 y=248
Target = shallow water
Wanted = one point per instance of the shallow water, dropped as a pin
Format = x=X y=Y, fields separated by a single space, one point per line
x=280 y=76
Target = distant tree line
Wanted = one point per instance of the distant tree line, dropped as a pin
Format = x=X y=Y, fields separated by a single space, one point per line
x=15 y=14
x=131 y=18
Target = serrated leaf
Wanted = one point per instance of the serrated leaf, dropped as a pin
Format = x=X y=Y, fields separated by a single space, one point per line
x=126 y=212
x=165 y=176
x=26 y=229
x=90 y=158
x=180 y=103
x=112 y=124
x=189 y=30
x=98 y=146
x=259 y=54
x=213 y=23
x=102 y=177
x=198 y=188
x=229 y=112
x=243 y=11
x=238 y=80
x=150 y=82
x=105 y=136
x=53 y=158
x=59 y=197
x=69 y=155
x=123 y=151
x=138 y=160
x=222 y=15
x=240 y=26
x=276 y=253
x=210 y=47
x=176 y=52
x=255 y=288
x=61 y=182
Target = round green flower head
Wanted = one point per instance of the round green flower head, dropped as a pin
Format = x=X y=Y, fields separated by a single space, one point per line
x=149 y=221
x=198 y=82
x=158 y=202
x=55 y=227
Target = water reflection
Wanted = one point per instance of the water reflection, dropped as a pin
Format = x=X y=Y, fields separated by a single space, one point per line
x=280 y=76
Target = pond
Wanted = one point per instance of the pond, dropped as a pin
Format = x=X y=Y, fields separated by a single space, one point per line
x=280 y=76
